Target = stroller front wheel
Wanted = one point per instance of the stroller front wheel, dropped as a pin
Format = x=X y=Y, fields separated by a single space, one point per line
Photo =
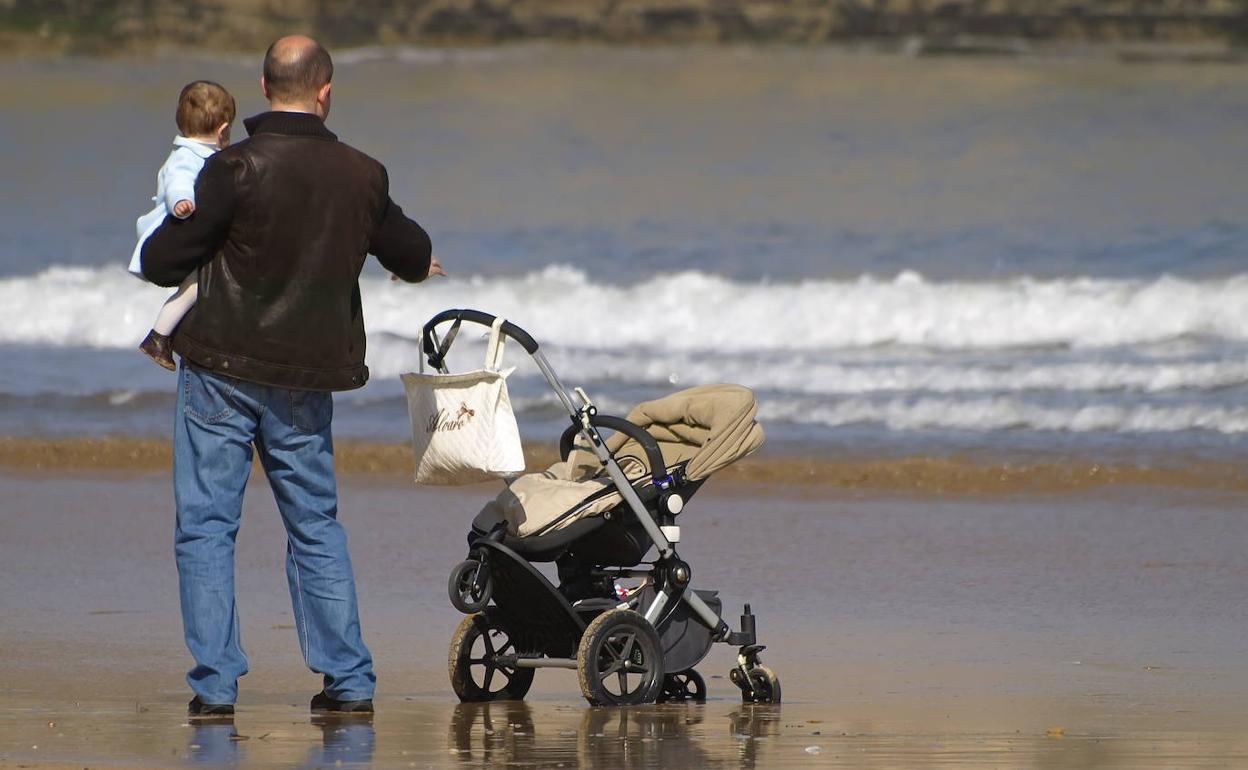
x=619 y=661
x=470 y=586
x=761 y=686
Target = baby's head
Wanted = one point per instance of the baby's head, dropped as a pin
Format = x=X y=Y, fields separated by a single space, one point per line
x=205 y=112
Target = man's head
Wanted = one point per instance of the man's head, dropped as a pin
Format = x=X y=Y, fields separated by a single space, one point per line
x=205 y=111
x=297 y=72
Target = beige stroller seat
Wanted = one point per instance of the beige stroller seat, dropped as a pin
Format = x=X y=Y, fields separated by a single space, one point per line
x=698 y=430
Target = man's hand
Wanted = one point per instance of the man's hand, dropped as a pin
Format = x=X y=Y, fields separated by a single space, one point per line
x=435 y=268
x=183 y=209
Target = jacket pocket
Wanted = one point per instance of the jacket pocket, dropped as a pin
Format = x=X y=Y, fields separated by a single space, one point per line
x=206 y=398
x=311 y=410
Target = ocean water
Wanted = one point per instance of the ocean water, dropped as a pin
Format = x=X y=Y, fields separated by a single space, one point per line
x=899 y=255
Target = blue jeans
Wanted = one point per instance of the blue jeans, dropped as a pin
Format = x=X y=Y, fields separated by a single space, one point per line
x=219 y=419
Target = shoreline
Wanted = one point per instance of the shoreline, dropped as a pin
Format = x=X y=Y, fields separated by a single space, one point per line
x=939 y=474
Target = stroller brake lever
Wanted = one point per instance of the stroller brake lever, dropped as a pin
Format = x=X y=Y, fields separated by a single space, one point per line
x=585 y=416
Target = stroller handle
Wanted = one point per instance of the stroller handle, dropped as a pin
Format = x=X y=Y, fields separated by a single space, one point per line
x=658 y=467
x=475 y=316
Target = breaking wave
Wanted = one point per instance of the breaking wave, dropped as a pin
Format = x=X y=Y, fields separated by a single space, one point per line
x=1003 y=413
x=904 y=354
x=697 y=312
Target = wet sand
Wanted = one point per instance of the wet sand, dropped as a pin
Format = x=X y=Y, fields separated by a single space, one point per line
x=1084 y=629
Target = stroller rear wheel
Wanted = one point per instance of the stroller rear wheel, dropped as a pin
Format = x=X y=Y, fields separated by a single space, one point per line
x=683 y=685
x=470 y=586
x=476 y=673
x=619 y=661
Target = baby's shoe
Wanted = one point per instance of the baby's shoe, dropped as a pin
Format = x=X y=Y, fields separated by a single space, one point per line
x=159 y=348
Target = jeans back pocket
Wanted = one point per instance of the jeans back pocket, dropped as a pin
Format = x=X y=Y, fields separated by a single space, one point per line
x=206 y=397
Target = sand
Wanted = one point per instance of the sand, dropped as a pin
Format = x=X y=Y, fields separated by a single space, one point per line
x=1099 y=627
x=944 y=474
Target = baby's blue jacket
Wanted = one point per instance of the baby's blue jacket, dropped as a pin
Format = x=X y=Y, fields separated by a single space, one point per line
x=174 y=182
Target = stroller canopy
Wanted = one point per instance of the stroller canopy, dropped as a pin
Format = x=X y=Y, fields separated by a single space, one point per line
x=705 y=427
x=709 y=426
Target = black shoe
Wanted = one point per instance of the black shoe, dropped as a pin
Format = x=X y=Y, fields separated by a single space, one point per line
x=197 y=709
x=159 y=348
x=322 y=703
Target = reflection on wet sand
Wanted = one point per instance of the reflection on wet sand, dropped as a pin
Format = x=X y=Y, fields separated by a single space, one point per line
x=346 y=741
x=215 y=743
x=718 y=734
x=484 y=733
x=505 y=732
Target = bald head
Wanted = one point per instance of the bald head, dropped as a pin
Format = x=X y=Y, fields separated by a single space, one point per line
x=296 y=69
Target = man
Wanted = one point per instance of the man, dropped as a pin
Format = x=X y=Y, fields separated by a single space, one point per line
x=283 y=223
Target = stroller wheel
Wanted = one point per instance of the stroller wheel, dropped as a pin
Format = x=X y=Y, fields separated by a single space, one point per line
x=619 y=661
x=470 y=586
x=681 y=686
x=763 y=686
x=476 y=674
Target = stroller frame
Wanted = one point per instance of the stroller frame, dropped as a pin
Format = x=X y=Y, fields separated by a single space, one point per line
x=471 y=582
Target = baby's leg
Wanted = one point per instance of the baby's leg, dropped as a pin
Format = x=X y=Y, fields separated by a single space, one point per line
x=157 y=345
x=177 y=305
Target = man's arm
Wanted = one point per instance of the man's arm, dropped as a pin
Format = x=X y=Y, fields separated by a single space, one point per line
x=400 y=245
x=180 y=246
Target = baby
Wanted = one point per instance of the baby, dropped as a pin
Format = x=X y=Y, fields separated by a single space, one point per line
x=205 y=112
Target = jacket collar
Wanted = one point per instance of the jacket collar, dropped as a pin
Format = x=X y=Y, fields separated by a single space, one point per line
x=288 y=123
x=197 y=147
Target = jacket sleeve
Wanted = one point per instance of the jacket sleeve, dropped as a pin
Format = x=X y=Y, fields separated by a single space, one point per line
x=180 y=246
x=400 y=245
x=180 y=172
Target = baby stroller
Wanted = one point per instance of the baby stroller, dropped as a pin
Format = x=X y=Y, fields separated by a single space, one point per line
x=596 y=514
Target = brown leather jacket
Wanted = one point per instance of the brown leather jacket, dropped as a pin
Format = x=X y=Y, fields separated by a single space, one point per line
x=283 y=222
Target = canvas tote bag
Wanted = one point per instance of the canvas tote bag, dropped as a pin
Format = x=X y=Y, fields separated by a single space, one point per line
x=463 y=429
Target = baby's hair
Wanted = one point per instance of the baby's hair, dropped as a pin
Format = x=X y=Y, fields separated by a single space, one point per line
x=202 y=107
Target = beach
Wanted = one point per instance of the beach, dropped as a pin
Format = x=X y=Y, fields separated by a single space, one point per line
x=994 y=311
x=1086 y=629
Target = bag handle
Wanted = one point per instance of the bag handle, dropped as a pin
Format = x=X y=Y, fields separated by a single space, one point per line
x=494 y=350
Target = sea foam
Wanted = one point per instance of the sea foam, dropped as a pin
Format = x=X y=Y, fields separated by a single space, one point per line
x=1006 y=413
x=692 y=311
x=906 y=354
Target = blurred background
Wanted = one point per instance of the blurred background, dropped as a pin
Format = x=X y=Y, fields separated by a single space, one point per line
x=1002 y=228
